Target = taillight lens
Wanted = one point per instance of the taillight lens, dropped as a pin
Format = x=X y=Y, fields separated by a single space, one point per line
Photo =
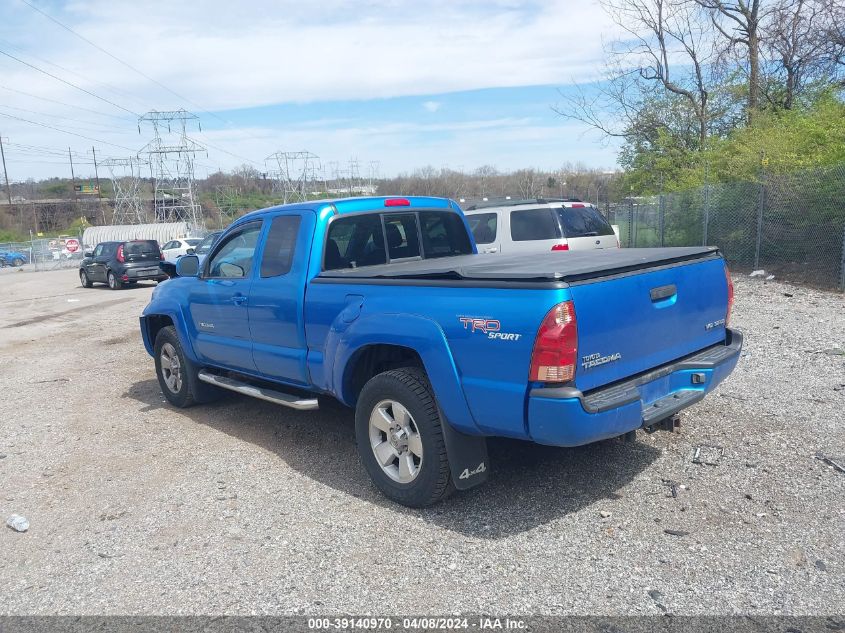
x=560 y=247
x=730 y=295
x=161 y=256
x=556 y=348
x=120 y=257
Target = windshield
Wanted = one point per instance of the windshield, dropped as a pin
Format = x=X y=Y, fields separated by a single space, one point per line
x=206 y=243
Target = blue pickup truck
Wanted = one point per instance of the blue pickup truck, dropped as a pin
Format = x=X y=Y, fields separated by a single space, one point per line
x=385 y=305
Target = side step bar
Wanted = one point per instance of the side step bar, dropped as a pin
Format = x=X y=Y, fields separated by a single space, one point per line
x=262 y=393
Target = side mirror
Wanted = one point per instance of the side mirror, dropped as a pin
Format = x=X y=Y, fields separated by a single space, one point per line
x=89 y=253
x=190 y=251
x=188 y=266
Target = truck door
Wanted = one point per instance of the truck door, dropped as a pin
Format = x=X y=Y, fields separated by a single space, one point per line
x=218 y=302
x=277 y=295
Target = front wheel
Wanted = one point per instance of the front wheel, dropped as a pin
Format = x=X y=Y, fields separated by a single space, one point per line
x=400 y=438
x=114 y=282
x=18 y=262
x=84 y=280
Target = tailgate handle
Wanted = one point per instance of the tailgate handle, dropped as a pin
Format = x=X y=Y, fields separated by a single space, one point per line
x=663 y=292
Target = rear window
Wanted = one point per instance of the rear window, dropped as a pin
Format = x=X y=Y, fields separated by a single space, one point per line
x=534 y=224
x=362 y=240
x=193 y=241
x=483 y=227
x=141 y=248
x=583 y=222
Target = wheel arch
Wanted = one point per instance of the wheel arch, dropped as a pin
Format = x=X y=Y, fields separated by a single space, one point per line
x=386 y=340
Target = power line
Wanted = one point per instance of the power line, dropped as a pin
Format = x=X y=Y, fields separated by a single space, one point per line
x=50 y=127
x=117 y=59
x=101 y=84
x=69 y=83
x=102 y=126
x=120 y=117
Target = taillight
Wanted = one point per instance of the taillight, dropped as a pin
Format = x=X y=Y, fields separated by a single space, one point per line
x=397 y=202
x=161 y=256
x=556 y=347
x=730 y=295
x=120 y=257
x=560 y=247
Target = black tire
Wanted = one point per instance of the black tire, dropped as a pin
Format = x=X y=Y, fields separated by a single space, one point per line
x=113 y=282
x=191 y=389
x=409 y=387
x=84 y=280
x=18 y=262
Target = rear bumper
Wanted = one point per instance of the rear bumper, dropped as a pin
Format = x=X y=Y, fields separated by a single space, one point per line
x=564 y=416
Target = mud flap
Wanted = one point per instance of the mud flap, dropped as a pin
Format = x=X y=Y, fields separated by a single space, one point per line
x=467 y=455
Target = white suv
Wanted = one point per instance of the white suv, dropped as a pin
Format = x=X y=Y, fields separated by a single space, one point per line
x=522 y=226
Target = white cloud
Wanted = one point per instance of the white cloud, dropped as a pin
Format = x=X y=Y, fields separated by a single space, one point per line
x=233 y=55
x=221 y=55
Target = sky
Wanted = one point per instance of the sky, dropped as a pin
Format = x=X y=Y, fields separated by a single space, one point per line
x=397 y=84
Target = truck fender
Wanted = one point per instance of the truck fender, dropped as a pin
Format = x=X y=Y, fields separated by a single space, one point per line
x=415 y=332
x=176 y=316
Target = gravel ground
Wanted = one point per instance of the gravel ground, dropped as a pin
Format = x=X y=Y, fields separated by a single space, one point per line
x=245 y=507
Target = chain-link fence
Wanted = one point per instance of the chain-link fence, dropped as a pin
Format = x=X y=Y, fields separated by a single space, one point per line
x=42 y=253
x=793 y=226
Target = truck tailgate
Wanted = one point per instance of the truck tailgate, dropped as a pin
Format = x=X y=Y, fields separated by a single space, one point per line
x=631 y=323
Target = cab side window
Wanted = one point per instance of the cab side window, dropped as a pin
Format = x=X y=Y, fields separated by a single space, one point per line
x=280 y=246
x=234 y=256
x=98 y=251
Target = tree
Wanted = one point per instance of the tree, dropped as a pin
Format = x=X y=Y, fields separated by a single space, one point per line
x=739 y=23
x=670 y=50
x=799 y=39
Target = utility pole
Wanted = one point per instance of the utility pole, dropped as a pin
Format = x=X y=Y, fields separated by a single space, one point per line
x=96 y=174
x=5 y=172
x=97 y=178
x=72 y=176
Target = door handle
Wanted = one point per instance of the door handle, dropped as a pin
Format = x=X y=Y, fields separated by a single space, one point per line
x=239 y=300
x=490 y=250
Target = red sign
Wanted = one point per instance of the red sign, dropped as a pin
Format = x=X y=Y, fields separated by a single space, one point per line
x=72 y=245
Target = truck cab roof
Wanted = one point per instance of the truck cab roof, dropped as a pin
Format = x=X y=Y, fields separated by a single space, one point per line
x=359 y=204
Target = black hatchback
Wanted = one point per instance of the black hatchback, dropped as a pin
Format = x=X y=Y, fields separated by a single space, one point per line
x=122 y=263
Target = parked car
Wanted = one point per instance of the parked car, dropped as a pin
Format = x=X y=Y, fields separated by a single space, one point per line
x=384 y=304
x=532 y=226
x=200 y=250
x=13 y=258
x=121 y=263
x=174 y=249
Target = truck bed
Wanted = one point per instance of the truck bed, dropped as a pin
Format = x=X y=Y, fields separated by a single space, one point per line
x=566 y=267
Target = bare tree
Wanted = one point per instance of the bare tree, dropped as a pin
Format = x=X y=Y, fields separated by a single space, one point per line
x=670 y=49
x=740 y=24
x=529 y=183
x=799 y=38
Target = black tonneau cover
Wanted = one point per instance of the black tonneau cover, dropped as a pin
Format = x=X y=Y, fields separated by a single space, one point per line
x=559 y=266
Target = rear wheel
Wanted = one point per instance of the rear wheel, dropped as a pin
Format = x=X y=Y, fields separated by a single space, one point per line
x=84 y=280
x=114 y=282
x=400 y=438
